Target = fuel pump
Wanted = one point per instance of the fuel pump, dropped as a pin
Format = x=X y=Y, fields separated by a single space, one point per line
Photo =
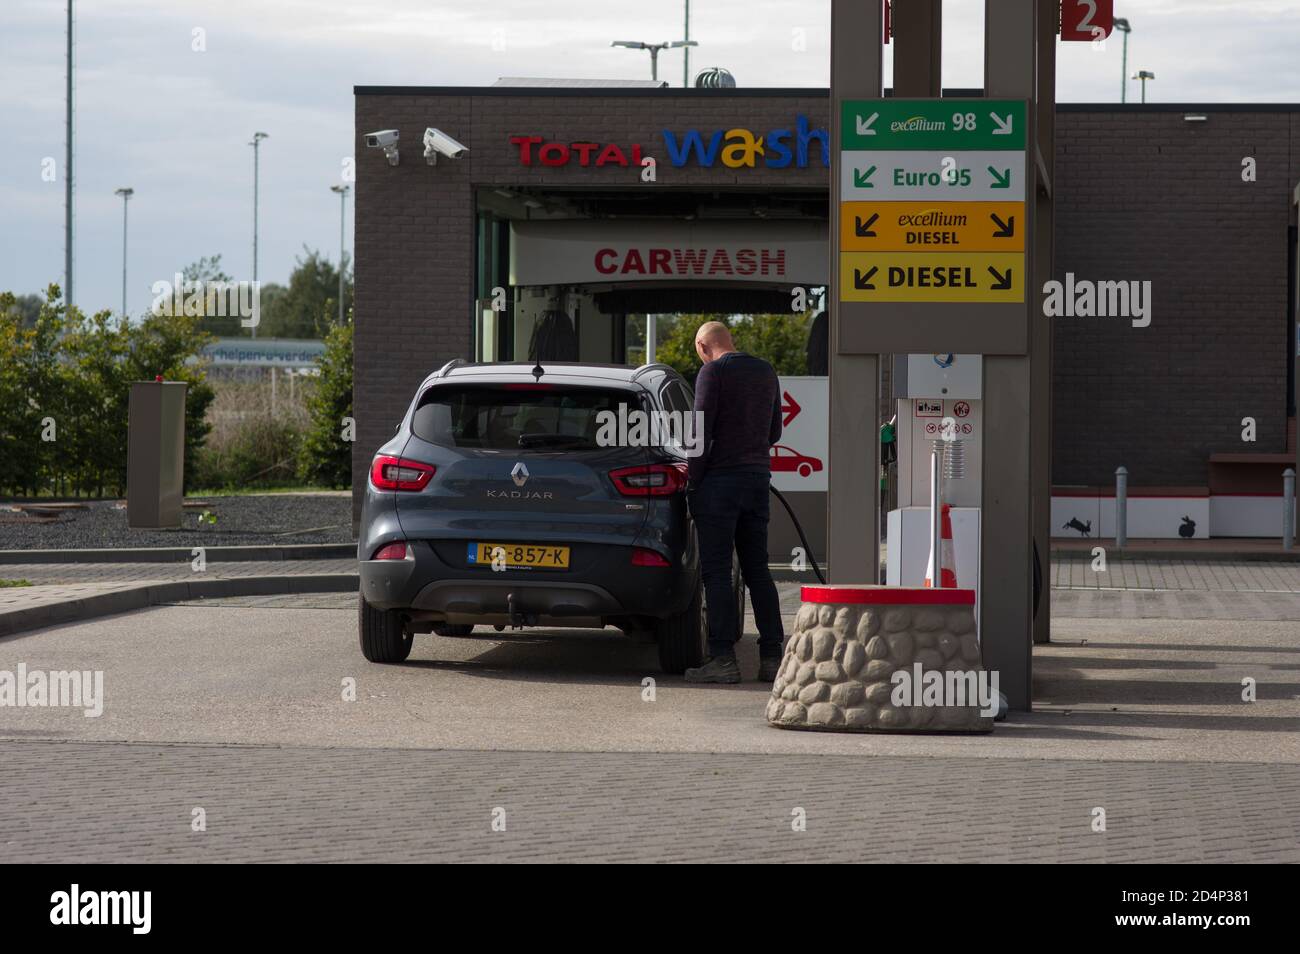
x=939 y=401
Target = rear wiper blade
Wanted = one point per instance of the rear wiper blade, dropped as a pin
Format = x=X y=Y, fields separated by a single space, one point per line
x=529 y=440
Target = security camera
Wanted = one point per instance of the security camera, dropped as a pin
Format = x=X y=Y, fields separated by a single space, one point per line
x=385 y=139
x=437 y=142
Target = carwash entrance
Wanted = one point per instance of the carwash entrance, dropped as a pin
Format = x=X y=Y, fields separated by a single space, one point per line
x=581 y=220
x=942 y=223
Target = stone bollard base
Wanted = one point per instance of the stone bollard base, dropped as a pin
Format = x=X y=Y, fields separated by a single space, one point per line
x=838 y=670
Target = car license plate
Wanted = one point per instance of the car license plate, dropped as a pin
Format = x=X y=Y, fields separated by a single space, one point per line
x=517 y=556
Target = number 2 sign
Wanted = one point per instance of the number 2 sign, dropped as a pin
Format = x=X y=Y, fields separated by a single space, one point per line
x=1087 y=19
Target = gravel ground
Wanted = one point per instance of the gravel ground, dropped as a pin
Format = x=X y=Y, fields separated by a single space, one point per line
x=266 y=519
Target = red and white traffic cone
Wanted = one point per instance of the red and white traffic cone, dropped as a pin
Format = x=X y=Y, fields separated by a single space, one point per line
x=948 y=560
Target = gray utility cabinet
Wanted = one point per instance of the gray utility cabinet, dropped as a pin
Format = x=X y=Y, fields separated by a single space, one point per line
x=155 y=457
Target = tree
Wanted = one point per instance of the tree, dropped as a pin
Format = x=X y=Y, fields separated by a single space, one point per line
x=19 y=417
x=309 y=306
x=65 y=392
x=25 y=308
x=225 y=321
x=779 y=339
x=326 y=455
x=94 y=388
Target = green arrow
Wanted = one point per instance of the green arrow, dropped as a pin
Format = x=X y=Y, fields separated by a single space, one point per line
x=1000 y=180
x=860 y=178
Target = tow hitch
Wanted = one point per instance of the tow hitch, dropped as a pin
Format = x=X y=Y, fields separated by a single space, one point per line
x=519 y=618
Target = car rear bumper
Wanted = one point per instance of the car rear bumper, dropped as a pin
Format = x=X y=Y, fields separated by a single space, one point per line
x=608 y=587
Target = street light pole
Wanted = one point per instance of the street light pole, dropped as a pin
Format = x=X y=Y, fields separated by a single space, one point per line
x=342 y=190
x=1144 y=75
x=1122 y=24
x=67 y=182
x=654 y=49
x=686 y=53
x=257 y=140
x=126 y=194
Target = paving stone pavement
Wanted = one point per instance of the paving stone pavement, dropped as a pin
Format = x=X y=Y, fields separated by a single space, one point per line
x=1067 y=603
x=62 y=592
x=67 y=802
x=41 y=574
x=1159 y=574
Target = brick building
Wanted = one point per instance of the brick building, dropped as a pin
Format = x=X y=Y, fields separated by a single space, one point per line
x=1143 y=193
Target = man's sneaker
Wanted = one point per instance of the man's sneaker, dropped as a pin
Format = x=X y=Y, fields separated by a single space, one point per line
x=716 y=669
x=768 y=667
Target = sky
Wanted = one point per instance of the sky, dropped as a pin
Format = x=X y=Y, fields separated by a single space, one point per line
x=158 y=114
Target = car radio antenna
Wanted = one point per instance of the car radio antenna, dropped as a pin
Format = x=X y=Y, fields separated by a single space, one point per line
x=538 y=370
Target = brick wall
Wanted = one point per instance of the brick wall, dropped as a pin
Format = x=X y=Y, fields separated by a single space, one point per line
x=1146 y=195
x=414 y=225
x=1141 y=194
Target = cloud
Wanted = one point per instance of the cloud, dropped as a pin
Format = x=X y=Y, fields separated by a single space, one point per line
x=174 y=123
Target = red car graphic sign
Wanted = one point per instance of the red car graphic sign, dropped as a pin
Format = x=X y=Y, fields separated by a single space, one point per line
x=784 y=459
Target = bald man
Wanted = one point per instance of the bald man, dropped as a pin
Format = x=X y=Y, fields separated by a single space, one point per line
x=739 y=400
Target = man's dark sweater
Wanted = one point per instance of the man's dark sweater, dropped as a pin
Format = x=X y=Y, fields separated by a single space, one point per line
x=740 y=400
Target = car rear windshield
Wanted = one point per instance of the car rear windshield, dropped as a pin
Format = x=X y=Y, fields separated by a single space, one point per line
x=511 y=416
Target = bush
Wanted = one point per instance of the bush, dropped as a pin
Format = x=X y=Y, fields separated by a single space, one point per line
x=254 y=442
x=260 y=454
x=326 y=455
x=778 y=339
x=65 y=382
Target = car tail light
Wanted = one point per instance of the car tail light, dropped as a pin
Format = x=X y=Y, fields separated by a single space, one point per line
x=399 y=473
x=643 y=557
x=393 y=551
x=650 y=480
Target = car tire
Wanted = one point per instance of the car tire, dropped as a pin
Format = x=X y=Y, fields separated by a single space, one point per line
x=382 y=634
x=453 y=629
x=682 y=636
x=738 y=586
x=805 y=470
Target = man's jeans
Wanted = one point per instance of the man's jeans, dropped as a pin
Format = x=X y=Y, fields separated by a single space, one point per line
x=730 y=509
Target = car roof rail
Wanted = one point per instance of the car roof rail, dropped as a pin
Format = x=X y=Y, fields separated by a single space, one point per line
x=656 y=366
x=446 y=369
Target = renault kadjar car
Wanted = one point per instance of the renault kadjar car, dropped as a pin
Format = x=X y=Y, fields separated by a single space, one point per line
x=499 y=502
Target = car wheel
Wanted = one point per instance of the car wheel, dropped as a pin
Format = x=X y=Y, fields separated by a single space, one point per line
x=682 y=636
x=453 y=629
x=805 y=470
x=382 y=634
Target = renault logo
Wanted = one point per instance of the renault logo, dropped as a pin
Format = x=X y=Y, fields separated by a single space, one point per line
x=520 y=474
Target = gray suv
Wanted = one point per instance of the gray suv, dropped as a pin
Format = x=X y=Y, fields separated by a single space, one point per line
x=497 y=503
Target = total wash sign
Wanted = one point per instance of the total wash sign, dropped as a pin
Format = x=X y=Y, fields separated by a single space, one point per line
x=737 y=148
x=734 y=148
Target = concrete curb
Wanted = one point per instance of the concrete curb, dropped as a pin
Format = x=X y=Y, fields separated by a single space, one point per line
x=301 y=551
x=151 y=594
